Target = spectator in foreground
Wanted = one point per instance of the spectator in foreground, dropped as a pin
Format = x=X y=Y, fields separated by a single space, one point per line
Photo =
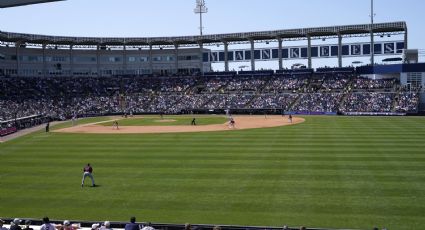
x=68 y=226
x=148 y=226
x=132 y=225
x=106 y=226
x=14 y=225
x=187 y=226
x=95 y=226
x=47 y=225
x=1 y=225
x=27 y=225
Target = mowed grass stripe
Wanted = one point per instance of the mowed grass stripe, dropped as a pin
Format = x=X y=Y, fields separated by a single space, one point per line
x=327 y=172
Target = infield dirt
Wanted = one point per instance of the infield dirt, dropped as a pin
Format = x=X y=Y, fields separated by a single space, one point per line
x=241 y=122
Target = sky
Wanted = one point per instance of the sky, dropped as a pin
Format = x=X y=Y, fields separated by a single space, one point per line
x=153 y=18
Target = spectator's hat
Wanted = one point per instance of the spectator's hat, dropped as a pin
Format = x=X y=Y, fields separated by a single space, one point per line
x=66 y=223
x=107 y=224
x=16 y=221
x=95 y=226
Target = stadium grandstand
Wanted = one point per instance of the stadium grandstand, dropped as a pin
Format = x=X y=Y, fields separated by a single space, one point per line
x=121 y=76
x=50 y=78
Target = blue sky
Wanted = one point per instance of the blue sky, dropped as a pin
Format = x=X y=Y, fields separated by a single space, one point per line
x=127 y=18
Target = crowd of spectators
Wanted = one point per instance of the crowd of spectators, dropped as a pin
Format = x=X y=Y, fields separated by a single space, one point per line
x=286 y=83
x=368 y=102
x=272 y=101
x=372 y=84
x=226 y=101
x=63 y=97
x=337 y=81
x=407 y=102
x=318 y=102
x=47 y=224
x=244 y=84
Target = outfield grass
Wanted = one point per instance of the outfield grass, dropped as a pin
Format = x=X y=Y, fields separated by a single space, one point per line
x=168 y=121
x=80 y=122
x=338 y=172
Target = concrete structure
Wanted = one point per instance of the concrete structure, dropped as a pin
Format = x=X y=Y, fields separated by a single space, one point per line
x=14 y=3
x=32 y=54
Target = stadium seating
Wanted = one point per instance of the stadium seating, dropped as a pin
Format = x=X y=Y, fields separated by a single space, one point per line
x=332 y=90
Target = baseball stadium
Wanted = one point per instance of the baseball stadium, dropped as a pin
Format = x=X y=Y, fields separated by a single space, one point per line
x=309 y=124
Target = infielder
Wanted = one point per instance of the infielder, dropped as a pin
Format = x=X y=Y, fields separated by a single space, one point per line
x=232 y=123
x=115 y=125
x=87 y=172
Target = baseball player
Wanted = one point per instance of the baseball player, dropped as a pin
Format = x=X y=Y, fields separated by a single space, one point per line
x=115 y=125
x=74 y=119
x=47 y=127
x=232 y=123
x=87 y=172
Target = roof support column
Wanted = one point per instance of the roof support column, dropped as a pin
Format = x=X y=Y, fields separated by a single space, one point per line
x=226 y=56
x=98 y=60
x=176 y=56
x=17 y=45
x=201 y=55
x=252 y=55
x=71 y=60
x=339 y=50
x=44 y=59
x=372 y=47
x=140 y=66
x=150 y=59
x=309 y=51
x=279 y=53
x=405 y=39
x=125 y=59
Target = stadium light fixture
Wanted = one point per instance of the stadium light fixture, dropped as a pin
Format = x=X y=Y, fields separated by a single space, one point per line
x=200 y=9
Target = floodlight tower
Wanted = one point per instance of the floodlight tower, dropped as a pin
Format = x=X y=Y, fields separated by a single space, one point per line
x=200 y=9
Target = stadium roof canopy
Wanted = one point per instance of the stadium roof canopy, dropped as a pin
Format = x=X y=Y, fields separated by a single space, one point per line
x=13 y=3
x=289 y=34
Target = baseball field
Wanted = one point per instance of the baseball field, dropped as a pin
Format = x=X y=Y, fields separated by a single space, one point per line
x=328 y=171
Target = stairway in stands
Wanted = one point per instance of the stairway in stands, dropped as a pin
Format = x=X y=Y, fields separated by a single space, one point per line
x=347 y=91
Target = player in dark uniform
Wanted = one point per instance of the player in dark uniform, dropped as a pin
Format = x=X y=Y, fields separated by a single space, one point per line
x=87 y=172
x=193 y=121
x=232 y=123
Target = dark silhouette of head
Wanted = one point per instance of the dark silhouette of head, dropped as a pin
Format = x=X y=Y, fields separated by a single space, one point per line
x=46 y=220
x=133 y=219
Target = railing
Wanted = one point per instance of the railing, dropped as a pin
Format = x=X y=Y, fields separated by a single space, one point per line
x=301 y=33
x=167 y=226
